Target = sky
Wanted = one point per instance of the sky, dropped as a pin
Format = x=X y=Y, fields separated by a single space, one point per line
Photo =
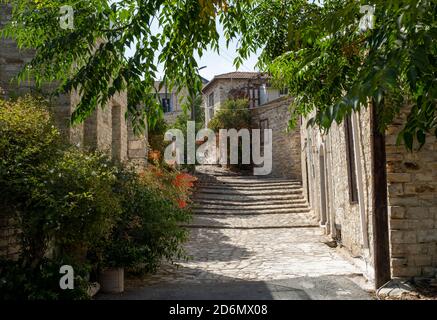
x=218 y=63
x=222 y=63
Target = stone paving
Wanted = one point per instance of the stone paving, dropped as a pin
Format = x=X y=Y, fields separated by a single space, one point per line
x=262 y=264
x=270 y=253
x=227 y=255
x=261 y=221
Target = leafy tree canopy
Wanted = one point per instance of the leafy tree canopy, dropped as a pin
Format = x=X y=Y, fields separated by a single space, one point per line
x=316 y=49
x=333 y=66
x=93 y=58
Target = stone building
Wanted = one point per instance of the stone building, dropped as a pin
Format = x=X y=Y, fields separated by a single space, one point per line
x=286 y=144
x=412 y=205
x=338 y=174
x=253 y=86
x=269 y=109
x=106 y=129
x=172 y=100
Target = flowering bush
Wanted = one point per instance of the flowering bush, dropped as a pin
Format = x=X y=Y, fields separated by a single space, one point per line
x=72 y=202
x=61 y=197
x=154 y=206
x=77 y=206
x=234 y=114
x=28 y=138
x=172 y=184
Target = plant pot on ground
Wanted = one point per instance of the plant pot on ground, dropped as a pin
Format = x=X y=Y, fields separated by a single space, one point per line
x=111 y=280
x=117 y=255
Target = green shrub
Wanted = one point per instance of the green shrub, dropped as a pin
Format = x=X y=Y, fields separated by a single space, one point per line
x=72 y=202
x=149 y=228
x=24 y=283
x=77 y=208
x=233 y=114
x=28 y=138
x=61 y=197
x=156 y=141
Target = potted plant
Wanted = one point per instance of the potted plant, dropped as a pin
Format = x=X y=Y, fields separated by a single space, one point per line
x=117 y=256
x=111 y=280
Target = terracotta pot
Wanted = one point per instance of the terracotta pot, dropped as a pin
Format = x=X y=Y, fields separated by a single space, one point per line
x=112 y=280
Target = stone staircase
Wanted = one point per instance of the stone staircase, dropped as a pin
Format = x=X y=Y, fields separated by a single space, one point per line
x=226 y=200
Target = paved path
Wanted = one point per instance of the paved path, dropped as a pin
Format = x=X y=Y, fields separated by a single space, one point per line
x=263 y=257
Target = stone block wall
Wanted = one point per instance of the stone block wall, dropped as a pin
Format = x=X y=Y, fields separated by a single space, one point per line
x=137 y=146
x=106 y=129
x=119 y=134
x=9 y=245
x=286 y=146
x=11 y=60
x=412 y=199
x=170 y=117
x=325 y=176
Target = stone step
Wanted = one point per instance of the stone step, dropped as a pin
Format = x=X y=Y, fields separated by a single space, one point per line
x=237 y=191
x=229 y=211
x=246 y=197
x=245 y=180
x=250 y=206
x=263 y=221
x=260 y=203
x=249 y=186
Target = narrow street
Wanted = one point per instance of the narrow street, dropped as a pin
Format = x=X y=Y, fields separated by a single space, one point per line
x=252 y=238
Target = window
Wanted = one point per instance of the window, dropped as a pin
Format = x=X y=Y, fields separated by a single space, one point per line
x=350 y=154
x=263 y=125
x=166 y=104
x=211 y=100
x=254 y=97
x=210 y=113
x=283 y=92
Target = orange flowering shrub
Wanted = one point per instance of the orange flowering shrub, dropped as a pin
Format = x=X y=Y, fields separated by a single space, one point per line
x=174 y=185
x=155 y=156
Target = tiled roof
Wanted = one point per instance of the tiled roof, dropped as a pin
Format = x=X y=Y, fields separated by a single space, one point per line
x=236 y=75
x=157 y=83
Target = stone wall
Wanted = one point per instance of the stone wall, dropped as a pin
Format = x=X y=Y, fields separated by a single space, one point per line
x=412 y=198
x=170 y=117
x=325 y=179
x=11 y=59
x=9 y=245
x=412 y=194
x=286 y=146
x=137 y=147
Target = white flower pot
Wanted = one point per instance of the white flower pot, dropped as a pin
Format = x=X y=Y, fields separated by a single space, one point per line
x=112 y=280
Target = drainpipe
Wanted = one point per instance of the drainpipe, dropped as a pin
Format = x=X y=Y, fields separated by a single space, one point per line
x=357 y=152
x=381 y=240
x=331 y=188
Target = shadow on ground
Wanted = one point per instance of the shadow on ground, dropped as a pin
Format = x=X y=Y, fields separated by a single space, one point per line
x=221 y=248
x=302 y=288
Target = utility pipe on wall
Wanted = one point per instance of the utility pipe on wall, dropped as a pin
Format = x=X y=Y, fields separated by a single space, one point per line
x=357 y=153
